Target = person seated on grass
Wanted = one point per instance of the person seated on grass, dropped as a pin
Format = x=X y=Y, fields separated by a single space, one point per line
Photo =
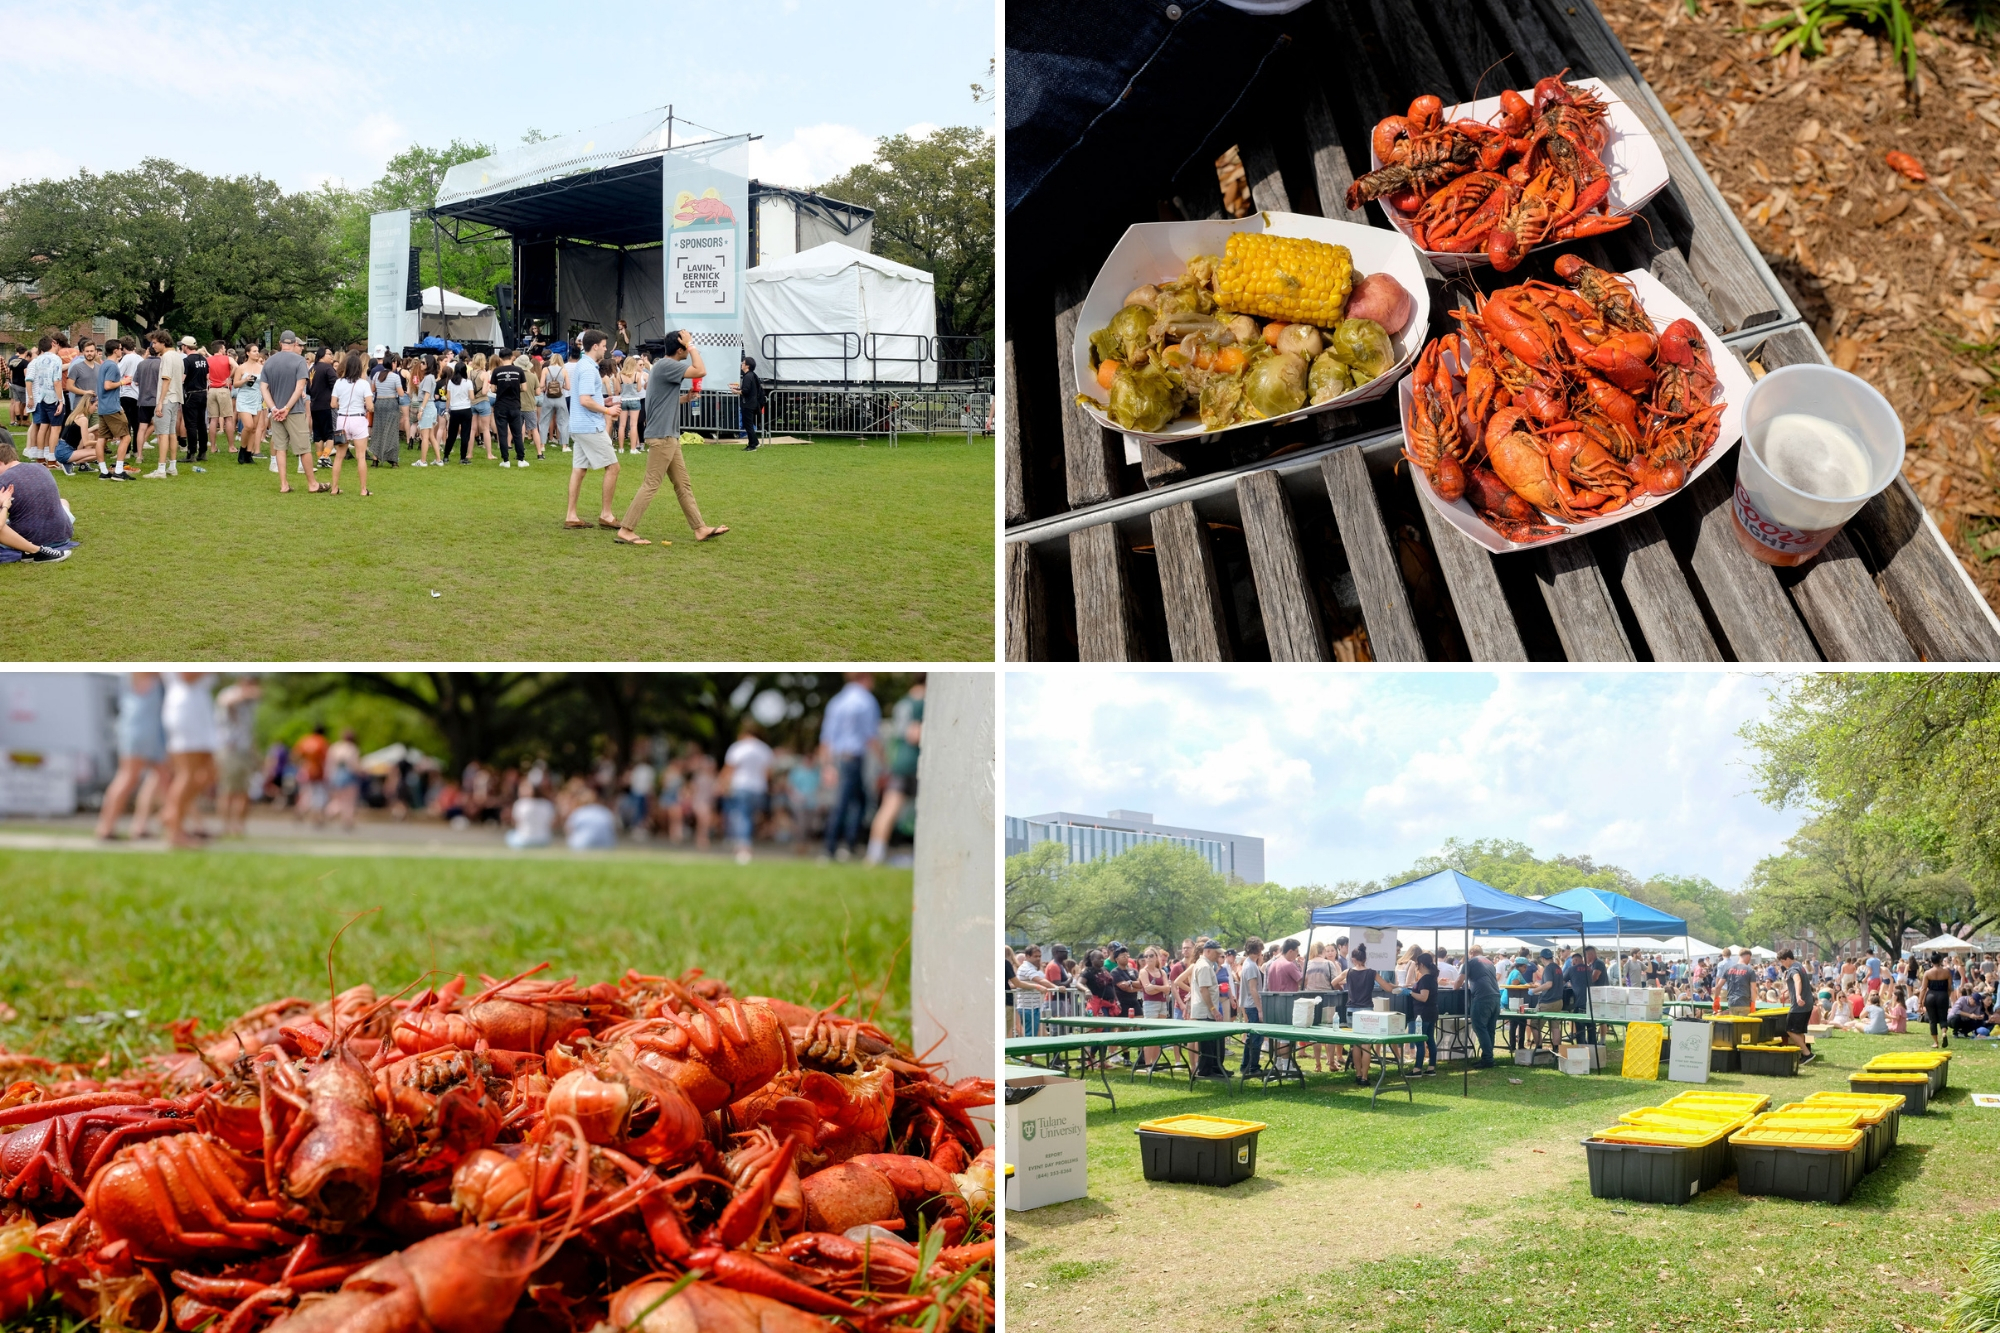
x=1873 y=1021
x=1969 y=1015
x=591 y=827
x=1898 y=1008
x=79 y=445
x=35 y=523
x=534 y=819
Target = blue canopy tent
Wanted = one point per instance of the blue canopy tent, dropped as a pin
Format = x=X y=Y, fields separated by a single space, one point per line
x=1449 y=900
x=1609 y=913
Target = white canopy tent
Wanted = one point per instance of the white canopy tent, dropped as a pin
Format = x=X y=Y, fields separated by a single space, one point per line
x=855 y=302
x=458 y=319
x=1759 y=951
x=1688 y=946
x=1943 y=944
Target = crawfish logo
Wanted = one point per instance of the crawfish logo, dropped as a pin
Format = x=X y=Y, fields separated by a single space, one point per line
x=708 y=206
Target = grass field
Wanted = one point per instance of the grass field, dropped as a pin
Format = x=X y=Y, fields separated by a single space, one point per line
x=1475 y=1214
x=88 y=940
x=836 y=552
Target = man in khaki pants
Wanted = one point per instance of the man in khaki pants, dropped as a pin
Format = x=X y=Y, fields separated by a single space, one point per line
x=284 y=389
x=663 y=440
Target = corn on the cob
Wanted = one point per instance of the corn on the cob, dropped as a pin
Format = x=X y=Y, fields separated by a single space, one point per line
x=1290 y=278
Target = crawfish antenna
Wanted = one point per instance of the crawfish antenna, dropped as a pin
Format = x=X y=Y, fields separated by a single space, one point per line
x=332 y=994
x=1488 y=70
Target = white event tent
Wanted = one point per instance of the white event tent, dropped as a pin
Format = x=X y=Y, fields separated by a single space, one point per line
x=854 y=303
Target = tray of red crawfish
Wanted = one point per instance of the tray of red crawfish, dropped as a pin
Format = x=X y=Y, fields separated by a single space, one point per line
x=1485 y=182
x=1558 y=410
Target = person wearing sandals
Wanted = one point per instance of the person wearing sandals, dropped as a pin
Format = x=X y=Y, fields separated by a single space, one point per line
x=663 y=443
x=427 y=415
x=355 y=410
x=590 y=435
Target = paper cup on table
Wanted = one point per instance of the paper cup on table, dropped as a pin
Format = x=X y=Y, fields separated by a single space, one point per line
x=1777 y=522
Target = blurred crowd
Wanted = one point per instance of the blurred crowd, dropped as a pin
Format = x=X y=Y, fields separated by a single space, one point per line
x=853 y=792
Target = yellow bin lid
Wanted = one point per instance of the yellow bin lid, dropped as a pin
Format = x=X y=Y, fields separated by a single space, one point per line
x=1202 y=1126
x=1749 y=1101
x=1830 y=1118
x=1881 y=1102
x=1910 y=1060
x=1660 y=1136
x=1891 y=1076
x=1844 y=1140
x=1684 y=1124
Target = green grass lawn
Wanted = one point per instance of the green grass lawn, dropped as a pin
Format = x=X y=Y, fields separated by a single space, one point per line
x=87 y=938
x=1475 y=1214
x=836 y=552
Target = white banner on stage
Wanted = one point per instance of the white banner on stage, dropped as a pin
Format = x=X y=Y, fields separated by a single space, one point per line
x=705 y=199
x=389 y=324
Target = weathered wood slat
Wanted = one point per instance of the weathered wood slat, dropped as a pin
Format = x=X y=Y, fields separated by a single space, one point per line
x=1410 y=47
x=1291 y=615
x=1476 y=596
x=1586 y=618
x=1941 y=616
x=1027 y=607
x=1735 y=287
x=1743 y=592
x=1017 y=484
x=1840 y=604
x=1197 y=630
x=1361 y=75
x=1378 y=580
x=1160 y=466
x=1476 y=65
x=1643 y=564
x=1331 y=172
x=1092 y=455
x=1535 y=49
x=1260 y=169
x=1675 y=275
x=1107 y=619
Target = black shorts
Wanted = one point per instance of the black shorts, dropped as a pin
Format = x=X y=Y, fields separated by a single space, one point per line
x=141 y=416
x=1796 y=1020
x=906 y=785
x=322 y=425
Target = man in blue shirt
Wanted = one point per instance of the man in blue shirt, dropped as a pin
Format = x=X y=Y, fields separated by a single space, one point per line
x=590 y=443
x=849 y=730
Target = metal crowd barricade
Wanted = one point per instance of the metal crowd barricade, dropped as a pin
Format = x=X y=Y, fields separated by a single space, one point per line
x=779 y=348
x=880 y=349
x=883 y=410
x=963 y=359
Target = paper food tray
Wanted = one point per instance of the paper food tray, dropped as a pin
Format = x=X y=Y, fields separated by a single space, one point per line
x=1150 y=252
x=1638 y=170
x=1663 y=307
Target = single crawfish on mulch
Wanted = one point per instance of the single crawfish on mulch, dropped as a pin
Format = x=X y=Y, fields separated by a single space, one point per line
x=655 y=1153
x=1572 y=405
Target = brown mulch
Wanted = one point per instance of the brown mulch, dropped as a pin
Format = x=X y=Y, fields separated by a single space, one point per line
x=1901 y=281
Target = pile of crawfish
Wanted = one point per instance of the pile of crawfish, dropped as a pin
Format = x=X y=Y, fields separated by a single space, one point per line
x=656 y=1155
x=1571 y=405
x=1537 y=175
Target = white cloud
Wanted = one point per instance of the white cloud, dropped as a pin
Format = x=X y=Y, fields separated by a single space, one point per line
x=1354 y=775
x=814 y=154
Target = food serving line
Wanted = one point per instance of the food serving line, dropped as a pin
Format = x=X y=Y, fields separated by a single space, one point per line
x=1308 y=540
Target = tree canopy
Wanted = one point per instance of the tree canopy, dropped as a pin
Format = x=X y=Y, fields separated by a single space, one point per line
x=933 y=202
x=1898 y=770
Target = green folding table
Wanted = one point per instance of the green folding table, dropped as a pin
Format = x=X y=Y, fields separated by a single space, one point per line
x=1390 y=1045
x=1181 y=1034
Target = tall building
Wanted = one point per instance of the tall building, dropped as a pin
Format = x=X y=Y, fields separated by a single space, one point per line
x=1091 y=837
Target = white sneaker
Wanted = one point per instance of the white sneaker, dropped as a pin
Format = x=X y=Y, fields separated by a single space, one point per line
x=522 y=463
x=505 y=463
x=173 y=469
x=157 y=474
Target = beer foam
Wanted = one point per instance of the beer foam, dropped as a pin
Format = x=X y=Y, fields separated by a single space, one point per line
x=1814 y=455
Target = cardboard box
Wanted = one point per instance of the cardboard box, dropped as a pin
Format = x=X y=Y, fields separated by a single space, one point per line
x=1534 y=1055
x=1377 y=1023
x=1601 y=996
x=1593 y=1055
x=1045 y=1140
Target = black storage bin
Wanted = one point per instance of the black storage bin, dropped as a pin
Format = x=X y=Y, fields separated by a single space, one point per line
x=1814 y=1175
x=1277 y=1006
x=1198 y=1159
x=1722 y=1060
x=1780 y=1064
x=1653 y=1173
x=1916 y=1096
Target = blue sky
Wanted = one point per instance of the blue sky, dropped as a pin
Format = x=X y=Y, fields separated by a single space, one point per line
x=1353 y=775
x=305 y=95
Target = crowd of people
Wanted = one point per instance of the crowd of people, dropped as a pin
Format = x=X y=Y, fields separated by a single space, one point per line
x=1208 y=981
x=100 y=406
x=852 y=791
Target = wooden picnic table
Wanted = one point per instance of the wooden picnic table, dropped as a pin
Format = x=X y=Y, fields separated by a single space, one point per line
x=1307 y=541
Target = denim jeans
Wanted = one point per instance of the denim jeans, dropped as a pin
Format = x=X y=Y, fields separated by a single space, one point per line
x=1485 y=1013
x=843 y=823
x=1031 y=1020
x=1119 y=96
x=1253 y=1043
x=741 y=809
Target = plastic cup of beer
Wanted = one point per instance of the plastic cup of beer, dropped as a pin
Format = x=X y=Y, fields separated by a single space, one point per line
x=1818 y=443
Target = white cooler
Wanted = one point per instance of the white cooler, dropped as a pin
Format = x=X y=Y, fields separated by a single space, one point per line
x=1377 y=1023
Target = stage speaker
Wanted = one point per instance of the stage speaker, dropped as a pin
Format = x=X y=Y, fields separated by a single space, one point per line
x=536 y=282
x=413 y=294
x=503 y=306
